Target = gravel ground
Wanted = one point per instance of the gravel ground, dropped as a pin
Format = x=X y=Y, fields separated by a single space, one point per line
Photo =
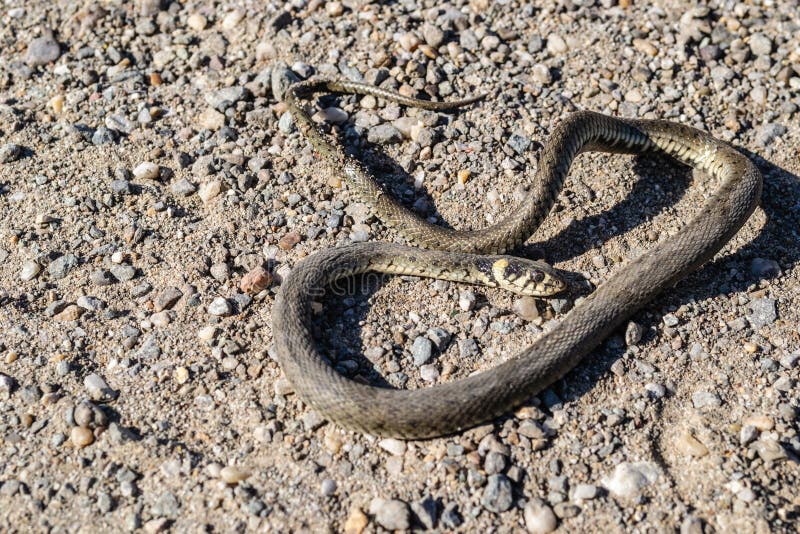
x=153 y=192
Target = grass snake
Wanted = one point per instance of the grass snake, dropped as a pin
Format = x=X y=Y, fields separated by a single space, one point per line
x=473 y=256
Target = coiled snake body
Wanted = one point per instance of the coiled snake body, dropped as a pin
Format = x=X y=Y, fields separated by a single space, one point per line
x=453 y=406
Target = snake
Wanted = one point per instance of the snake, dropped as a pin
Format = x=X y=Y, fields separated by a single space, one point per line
x=478 y=257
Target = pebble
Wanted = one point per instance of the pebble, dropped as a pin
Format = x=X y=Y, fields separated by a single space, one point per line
x=197 y=22
x=466 y=300
x=393 y=446
x=233 y=475
x=167 y=299
x=688 y=445
x=391 y=514
x=764 y=268
x=556 y=45
x=42 y=50
x=147 y=171
x=767 y=133
x=497 y=496
x=220 y=307
x=327 y=487
x=10 y=152
x=769 y=450
x=525 y=308
x=98 y=389
x=762 y=312
x=705 y=399
x=629 y=479
x=255 y=280
x=211 y=119
x=633 y=333
x=29 y=271
x=384 y=134
x=539 y=517
x=356 y=522
x=760 y=44
x=61 y=266
x=183 y=188
x=421 y=350
x=209 y=190
x=69 y=313
x=81 y=437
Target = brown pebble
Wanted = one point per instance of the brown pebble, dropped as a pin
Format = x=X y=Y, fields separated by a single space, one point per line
x=70 y=313
x=256 y=280
x=81 y=437
x=155 y=78
x=289 y=240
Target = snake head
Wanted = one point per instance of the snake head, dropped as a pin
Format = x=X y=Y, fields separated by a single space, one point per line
x=526 y=277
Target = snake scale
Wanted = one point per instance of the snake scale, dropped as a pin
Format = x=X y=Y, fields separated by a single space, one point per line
x=456 y=405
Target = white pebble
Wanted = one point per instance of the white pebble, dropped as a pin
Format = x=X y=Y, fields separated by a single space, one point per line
x=147 y=171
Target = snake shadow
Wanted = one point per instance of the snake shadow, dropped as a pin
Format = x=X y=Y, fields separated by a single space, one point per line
x=725 y=275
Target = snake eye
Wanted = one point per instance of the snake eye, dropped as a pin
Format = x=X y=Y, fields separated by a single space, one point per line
x=538 y=276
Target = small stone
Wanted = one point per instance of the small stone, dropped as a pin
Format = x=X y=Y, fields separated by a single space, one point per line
x=167 y=299
x=98 y=389
x=629 y=479
x=147 y=171
x=760 y=44
x=356 y=522
x=289 y=240
x=767 y=133
x=468 y=347
x=541 y=73
x=211 y=119
x=29 y=271
x=92 y=304
x=384 y=134
x=585 y=492
x=463 y=177
x=391 y=514
x=704 y=399
x=7 y=385
x=769 y=450
x=255 y=281
x=393 y=446
x=747 y=434
x=764 y=268
x=183 y=188
x=762 y=312
x=70 y=313
x=539 y=517
x=10 y=152
x=197 y=22
x=101 y=278
x=334 y=9
x=123 y=273
x=233 y=475
x=429 y=373
x=556 y=45
x=42 y=50
x=61 y=266
x=633 y=333
x=209 y=190
x=81 y=437
x=220 y=307
x=525 y=308
x=688 y=445
x=327 y=487
x=226 y=97
x=181 y=375
x=421 y=350
x=497 y=496
x=466 y=300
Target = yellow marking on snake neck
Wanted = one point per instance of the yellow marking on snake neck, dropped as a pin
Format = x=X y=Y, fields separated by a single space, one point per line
x=499 y=268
